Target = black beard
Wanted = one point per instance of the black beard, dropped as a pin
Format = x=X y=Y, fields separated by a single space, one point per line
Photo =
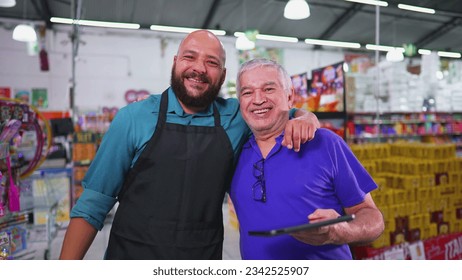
x=181 y=92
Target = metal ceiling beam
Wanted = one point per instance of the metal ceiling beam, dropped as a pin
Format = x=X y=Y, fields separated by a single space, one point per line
x=430 y=4
x=384 y=12
x=341 y=20
x=440 y=31
x=210 y=14
x=44 y=11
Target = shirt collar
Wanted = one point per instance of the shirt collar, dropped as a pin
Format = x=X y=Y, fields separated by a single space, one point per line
x=174 y=106
x=253 y=144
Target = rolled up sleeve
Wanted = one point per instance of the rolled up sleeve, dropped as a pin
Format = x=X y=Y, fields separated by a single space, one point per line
x=93 y=207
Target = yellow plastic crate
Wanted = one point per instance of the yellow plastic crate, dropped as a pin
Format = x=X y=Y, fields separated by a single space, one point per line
x=457 y=164
x=455 y=202
x=390 y=224
x=381 y=182
x=411 y=181
x=426 y=206
x=387 y=197
x=429 y=231
x=440 y=204
x=455 y=226
x=441 y=166
x=411 y=195
x=399 y=196
x=398 y=210
x=413 y=208
x=447 y=191
x=382 y=241
x=424 y=194
x=425 y=220
x=427 y=180
x=416 y=221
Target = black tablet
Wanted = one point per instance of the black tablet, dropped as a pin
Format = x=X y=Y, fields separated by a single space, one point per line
x=275 y=232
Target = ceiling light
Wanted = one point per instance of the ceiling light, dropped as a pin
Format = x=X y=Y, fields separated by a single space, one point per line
x=172 y=29
x=243 y=43
x=333 y=43
x=395 y=55
x=370 y=2
x=109 y=24
x=382 y=48
x=424 y=52
x=24 y=33
x=165 y=28
x=62 y=20
x=270 y=37
x=416 y=9
x=296 y=9
x=95 y=23
x=449 y=54
x=7 y=3
x=277 y=38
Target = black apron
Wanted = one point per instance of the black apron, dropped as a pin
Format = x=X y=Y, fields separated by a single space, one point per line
x=170 y=206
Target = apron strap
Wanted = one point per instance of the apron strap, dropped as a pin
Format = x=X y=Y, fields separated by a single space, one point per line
x=216 y=115
x=162 y=118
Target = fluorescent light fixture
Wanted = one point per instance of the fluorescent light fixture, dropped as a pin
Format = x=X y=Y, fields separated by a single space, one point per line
x=416 y=9
x=424 y=52
x=62 y=20
x=277 y=38
x=165 y=28
x=270 y=37
x=370 y=2
x=7 y=3
x=24 y=33
x=382 y=48
x=449 y=54
x=172 y=29
x=95 y=23
x=296 y=9
x=239 y=34
x=329 y=43
x=395 y=55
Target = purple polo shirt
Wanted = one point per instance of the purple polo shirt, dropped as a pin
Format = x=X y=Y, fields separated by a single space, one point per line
x=324 y=174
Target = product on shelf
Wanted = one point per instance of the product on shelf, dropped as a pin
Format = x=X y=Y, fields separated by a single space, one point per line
x=30 y=141
x=428 y=127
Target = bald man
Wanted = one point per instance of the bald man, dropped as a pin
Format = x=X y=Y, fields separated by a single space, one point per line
x=168 y=160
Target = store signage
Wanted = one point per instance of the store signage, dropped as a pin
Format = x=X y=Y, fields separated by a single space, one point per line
x=442 y=247
x=409 y=49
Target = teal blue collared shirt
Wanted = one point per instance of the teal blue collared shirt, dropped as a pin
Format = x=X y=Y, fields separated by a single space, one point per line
x=127 y=137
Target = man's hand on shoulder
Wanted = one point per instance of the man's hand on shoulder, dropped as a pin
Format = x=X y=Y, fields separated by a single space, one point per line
x=300 y=130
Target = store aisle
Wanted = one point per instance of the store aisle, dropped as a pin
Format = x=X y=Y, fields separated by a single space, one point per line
x=96 y=251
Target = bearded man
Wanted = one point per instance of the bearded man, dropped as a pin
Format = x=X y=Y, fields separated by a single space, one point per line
x=168 y=161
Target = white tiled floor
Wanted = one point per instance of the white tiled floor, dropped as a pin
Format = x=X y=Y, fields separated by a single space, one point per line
x=38 y=244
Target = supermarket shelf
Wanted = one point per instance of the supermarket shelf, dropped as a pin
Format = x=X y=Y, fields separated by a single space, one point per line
x=371 y=136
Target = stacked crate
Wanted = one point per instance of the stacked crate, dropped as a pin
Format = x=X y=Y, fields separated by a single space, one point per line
x=420 y=193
